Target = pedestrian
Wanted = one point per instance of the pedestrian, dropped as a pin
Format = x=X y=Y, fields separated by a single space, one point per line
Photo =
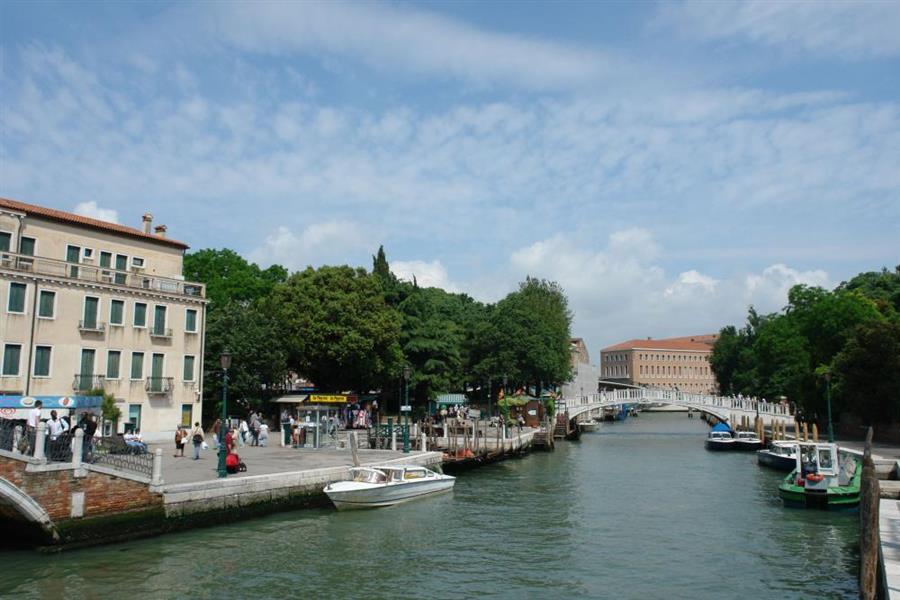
x=216 y=428
x=89 y=425
x=180 y=438
x=244 y=429
x=263 y=434
x=254 y=428
x=197 y=439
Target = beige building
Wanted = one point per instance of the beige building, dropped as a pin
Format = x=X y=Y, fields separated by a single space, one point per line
x=86 y=304
x=680 y=363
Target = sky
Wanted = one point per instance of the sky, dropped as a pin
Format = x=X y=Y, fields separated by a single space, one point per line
x=669 y=164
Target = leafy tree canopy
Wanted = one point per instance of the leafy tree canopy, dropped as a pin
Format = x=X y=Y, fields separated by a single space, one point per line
x=229 y=277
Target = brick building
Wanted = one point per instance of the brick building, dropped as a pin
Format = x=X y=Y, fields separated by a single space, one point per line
x=680 y=363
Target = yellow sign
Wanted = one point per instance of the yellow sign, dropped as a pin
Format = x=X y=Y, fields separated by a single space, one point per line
x=326 y=399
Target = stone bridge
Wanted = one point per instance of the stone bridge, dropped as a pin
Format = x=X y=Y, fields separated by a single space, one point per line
x=724 y=408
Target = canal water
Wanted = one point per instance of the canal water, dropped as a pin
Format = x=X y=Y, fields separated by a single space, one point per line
x=636 y=510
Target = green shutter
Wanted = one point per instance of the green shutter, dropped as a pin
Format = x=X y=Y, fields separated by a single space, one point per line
x=42 y=361
x=11 y=355
x=121 y=265
x=4 y=241
x=188 y=374
x=116 y=312
x=137 y=365
x=112 y=364
x=16 y=298
x=190 y=321
x=105 y=259
x=26 y=246
x=159 y=320
x=140 y=314
x=90 y=312
x=46 y=304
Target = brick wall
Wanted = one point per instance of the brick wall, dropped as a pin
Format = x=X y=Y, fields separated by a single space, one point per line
x=103 y=494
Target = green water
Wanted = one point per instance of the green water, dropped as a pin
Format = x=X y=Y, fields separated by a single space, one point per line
x=636 y=510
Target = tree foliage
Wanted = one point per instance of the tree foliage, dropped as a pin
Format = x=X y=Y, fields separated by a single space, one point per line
x=230 y=278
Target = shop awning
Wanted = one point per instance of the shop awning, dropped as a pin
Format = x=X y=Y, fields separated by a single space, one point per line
x=292 y=399
x=17 y=407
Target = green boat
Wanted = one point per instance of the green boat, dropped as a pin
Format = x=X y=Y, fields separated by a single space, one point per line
x=822 y=479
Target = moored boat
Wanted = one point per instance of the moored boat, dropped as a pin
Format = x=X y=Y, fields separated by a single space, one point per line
x=779 y=455
x=821 y=479
x=720 y=438
x=747 y=440
x=371 y=487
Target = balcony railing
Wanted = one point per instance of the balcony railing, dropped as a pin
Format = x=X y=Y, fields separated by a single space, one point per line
x=87 y=272
x=91 y=326
x=84 y=383
x=161 y=332
x=159 y=385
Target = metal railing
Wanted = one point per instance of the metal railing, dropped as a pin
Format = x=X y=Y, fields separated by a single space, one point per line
x=112 y=451
x=159 y=385
x=59 y=448
x=15 y=437
x=85 y=382
x=91 y=326
x=92 y=273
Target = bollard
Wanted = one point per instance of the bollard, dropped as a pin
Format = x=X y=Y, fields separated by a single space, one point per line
x=424 y=442
x=805 y=432
x=393 y=439
x=157 y=468
x=815 y=433
x=869 y=542
x=40 y=435
x=77 y=448
x=796 y=430
x=354 y=448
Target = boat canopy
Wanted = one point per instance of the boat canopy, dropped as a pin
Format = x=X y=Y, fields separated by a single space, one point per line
x=721 y=427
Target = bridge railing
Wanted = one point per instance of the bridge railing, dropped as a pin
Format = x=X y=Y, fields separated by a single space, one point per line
x=691 y=400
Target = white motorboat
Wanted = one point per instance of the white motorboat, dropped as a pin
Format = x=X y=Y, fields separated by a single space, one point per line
x=781 y=455
x=371 y=487
x=747 y=440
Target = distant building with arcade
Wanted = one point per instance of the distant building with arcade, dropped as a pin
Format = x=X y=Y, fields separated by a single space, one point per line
x=680 y=363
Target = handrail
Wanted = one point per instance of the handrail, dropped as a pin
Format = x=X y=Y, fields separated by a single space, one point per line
x=136 y=279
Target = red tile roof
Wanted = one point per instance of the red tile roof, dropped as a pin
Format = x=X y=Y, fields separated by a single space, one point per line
x=702 y=343
x=67 y=217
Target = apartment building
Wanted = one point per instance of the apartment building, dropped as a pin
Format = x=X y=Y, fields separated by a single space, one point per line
x=680 y=363
x=89 y=304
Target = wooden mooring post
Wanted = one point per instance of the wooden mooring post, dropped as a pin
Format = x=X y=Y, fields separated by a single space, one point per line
x=869 y=541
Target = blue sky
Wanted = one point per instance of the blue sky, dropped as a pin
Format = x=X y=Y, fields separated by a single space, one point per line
x=667 y=163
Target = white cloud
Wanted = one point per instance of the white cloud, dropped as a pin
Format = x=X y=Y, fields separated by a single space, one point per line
x=847 y=30
x=426 y=274
x=92 y=210
x=415 y=41
x=317 y=244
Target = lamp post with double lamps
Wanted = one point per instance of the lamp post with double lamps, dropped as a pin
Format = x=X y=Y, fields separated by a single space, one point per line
x=225 y=362
x=406 y=374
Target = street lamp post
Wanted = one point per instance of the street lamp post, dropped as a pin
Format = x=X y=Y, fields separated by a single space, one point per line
x=225 y=361
x=828 y=402
x=490 y=390
x=406 y=374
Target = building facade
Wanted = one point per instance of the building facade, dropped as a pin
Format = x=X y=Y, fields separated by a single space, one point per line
x=584 y=374
x=87 y=304
x=680 y=363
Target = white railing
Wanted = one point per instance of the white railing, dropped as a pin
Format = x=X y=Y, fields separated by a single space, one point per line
x=719 y=405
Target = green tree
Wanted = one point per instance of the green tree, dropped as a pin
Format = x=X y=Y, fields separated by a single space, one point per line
x=229 y=277
x=881 y=286
x=867 y=372
x=339 y=330
x=259 y=357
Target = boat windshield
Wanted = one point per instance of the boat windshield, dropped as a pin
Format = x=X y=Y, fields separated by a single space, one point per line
x=369 y=476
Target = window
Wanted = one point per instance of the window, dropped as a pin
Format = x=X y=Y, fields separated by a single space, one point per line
x=186 y=414
x=159 y=320
x=121 y=265
x=113 y=358
x=73 y=255
x=5 y=239
x=137 y=262
x=134 y=416
x=91 y=308
x=12 y=353
x=188 y=368
x=16 y=301
x=87 y=253
x=140 y=314
x=116 y=312
x=47 y=304
x=42 y=361
x=26 y=245
x=137 y=365
x=190 y=320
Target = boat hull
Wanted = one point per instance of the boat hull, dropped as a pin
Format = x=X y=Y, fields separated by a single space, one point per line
x=747 y=446
x=844 y=497
x=387 y=495
x=719 y=445
x=778 y=462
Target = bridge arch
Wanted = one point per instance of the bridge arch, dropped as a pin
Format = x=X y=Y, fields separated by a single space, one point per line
x=22 y=513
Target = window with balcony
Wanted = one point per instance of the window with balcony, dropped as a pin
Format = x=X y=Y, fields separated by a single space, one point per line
x=113 y=358
x=73 y=255
x=116 y=312
x=42 y=356
x=89 y=320
x=12 y=354
x=159 y=322
x=106 y=261
x=157 y=383
x=137 y=365
x=140 y=314
x=85 y=379
x=16 y=301
x=47 y=304
x=121 y=265
x=190 y=320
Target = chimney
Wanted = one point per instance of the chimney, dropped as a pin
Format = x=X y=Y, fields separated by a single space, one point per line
x=148 y=220
x=160 y=230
